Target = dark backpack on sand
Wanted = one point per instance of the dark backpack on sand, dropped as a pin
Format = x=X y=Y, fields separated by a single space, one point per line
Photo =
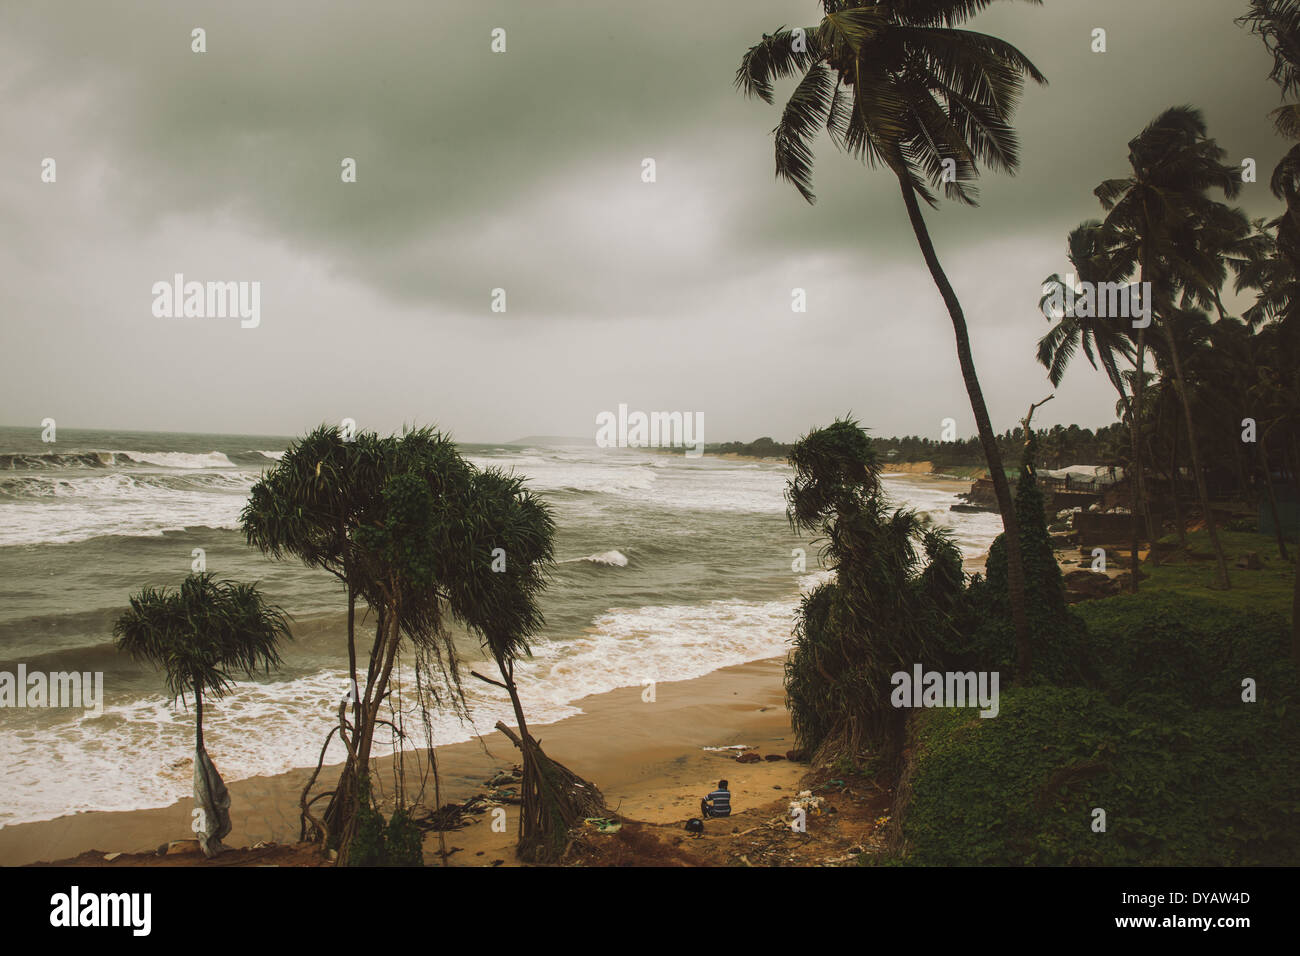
x=695 y=825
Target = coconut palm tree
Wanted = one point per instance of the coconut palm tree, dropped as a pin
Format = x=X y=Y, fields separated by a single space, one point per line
x=1277 y=23
x=1157 y=217
x=896 y=84
x=1102 y=342
x=199 y=636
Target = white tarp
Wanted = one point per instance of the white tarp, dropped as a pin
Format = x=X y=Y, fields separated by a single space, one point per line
x=211 y=804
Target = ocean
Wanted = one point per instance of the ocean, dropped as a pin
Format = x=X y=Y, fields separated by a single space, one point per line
x=667 y=568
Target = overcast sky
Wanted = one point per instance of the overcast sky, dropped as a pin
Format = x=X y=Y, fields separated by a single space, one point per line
x=522 y=170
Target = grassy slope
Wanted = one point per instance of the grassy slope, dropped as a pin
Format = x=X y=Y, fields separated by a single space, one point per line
x=1187 y=772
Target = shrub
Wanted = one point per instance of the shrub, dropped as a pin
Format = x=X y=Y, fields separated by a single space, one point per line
x=985 y=637
x=1159 y=650
x=898 y=583
x=1213 y=787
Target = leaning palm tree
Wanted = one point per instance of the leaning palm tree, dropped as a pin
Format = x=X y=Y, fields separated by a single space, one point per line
x=200 y=635
x=896 y=84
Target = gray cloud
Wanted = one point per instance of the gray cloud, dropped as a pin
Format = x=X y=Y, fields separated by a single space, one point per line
x=522 y=171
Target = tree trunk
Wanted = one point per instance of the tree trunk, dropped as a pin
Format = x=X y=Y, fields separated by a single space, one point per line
x=1174 y=479
x=1272 y=501
x=1295 y=589
x=341 y=814
x=1137 y=487
x=1193 y=446
x=988 y=439
x=211 y=821
x=198 y=715
x=554 y=800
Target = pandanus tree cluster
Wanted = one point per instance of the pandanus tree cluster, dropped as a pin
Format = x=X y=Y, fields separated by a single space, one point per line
x=423 y=540
x=897 y=589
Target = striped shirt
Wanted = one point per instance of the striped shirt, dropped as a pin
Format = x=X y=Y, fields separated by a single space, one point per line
x=719 y=802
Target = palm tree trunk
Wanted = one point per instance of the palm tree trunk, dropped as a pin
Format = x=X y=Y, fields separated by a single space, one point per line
x=1295 y=590
x=530 y=790
x=988 y=439
x=1136 y=485
x=1173 y=491
x=1193 y=446
x=198 y=715
x=352 y=652
x=1272 y=501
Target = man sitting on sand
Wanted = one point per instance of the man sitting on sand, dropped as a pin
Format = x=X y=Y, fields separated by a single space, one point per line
x=718 y=803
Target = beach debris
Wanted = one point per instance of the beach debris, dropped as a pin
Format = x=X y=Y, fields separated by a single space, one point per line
x=110 y=857
x=264 y=844
x=798 y=756
x=506 y=778
x=178 y=847
x=806 y=802
x=749 y=757
x=603 y=824
x=771 y=757
x=728 y=747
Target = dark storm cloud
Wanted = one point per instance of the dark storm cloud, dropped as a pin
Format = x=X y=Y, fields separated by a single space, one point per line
x=522 y=171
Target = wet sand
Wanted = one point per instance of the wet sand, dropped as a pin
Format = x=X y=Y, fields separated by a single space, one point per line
x=647 y=759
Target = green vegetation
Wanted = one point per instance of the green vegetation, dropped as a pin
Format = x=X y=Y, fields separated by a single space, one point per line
x=905 y=88
x=986 y=641
x=417 y=533
x=758 y=448
x=897 y=583
x=1154 y=731
x=1203 y=787
x=1055 y=447
x=379 y=842
x=1269 y=589
x=1176 y=711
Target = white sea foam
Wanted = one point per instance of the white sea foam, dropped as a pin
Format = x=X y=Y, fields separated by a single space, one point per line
x=137 y=754
x=615 y=559
x=57 y=510
x=178 y=459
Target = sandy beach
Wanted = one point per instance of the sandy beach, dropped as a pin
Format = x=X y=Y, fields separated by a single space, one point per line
x=647 y=758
